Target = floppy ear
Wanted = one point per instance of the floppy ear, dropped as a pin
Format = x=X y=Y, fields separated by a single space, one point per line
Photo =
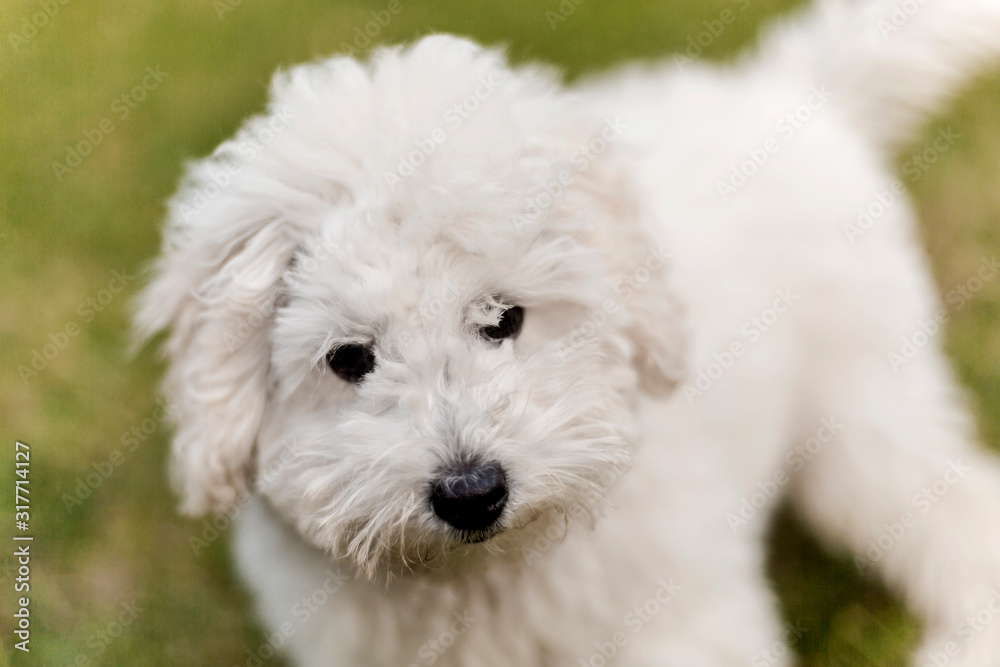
x=638 y=262
x=231 y=233
x=228 y=240
x=216 y=290
x=658 y=337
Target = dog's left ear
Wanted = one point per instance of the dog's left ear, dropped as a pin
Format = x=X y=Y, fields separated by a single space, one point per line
x=658 y=337
x=638 y=262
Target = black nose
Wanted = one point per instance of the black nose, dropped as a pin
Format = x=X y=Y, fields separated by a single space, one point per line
x=471 y=497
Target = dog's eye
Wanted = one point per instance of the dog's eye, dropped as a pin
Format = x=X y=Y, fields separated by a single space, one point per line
x=508 y=326
x=352 y=362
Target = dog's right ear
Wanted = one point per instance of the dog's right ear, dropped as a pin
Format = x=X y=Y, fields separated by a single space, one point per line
x=215 y=289
x=232 y=231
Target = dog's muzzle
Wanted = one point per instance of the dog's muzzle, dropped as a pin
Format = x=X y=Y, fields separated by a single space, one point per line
x=470 y=497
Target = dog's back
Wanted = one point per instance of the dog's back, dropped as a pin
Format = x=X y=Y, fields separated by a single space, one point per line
x=797 y=259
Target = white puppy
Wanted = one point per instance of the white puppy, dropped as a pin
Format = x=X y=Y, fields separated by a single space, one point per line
x=514 y=374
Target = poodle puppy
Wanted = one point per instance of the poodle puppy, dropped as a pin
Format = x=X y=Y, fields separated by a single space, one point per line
x=493 y=371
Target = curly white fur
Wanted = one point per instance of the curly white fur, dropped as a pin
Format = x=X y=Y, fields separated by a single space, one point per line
x=692 y=340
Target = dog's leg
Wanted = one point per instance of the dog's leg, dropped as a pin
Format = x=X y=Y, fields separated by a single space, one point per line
x=668 y=524
x=727 y=626
x=908 y=490
x=304 y=602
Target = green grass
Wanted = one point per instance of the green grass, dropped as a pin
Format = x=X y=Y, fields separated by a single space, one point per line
x=60 y=239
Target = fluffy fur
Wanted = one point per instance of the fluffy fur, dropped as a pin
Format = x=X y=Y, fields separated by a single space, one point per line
x=685 y=347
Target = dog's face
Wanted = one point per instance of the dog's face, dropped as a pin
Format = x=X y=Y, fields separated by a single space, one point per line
x=428 y=396
x=418 y=367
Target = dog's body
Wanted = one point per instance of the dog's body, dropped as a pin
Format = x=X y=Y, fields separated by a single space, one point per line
x=778 y=324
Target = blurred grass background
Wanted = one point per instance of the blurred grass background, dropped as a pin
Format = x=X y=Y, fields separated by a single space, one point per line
x=63 y=234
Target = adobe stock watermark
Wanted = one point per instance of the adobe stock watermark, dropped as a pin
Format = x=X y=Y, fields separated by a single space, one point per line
x=900 y=15
x=363 y=35
x=431 y=307
x=224 y=7
x=633 y=623
x=537 y=204
x=697 y=43
x=778 y=652
x=914 y=169
x=87 y=310
x=249 y=323
x=222 y=172
x=967 y=630
x=301 y=611
x=453 y=118
x=432 y=650
x=563 y=11
x=33 y=23
x=578 y=509
x=366 y=34
x=786 y=128
x=923 y=502
x=625 y=287
x=928 y=329
x=213 y=527
x=307 y=261
x=770 y=489
x=99 y=471
x=751 y=331
x=121 y=108
x=101 y=640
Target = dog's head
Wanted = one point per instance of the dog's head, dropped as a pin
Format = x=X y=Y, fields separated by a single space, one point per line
x=412 y=306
